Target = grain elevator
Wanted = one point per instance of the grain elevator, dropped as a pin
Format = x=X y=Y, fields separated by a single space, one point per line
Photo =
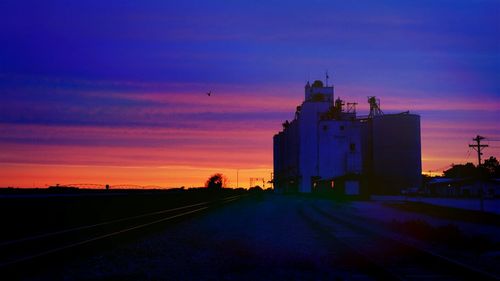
x=327 y=147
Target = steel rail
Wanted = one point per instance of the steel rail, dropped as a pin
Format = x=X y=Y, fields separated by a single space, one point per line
x=479 y=273
x=45 y=235
x=73 y=245
x=198 y=207
x=370 y=266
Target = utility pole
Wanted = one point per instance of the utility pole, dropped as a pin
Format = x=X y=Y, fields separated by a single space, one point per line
x=478 y=147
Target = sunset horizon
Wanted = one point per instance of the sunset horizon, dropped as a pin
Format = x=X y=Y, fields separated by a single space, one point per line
x=116 y=94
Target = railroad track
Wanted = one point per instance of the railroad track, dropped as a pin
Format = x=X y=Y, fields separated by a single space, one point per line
x=383 y=257
x=20 y=253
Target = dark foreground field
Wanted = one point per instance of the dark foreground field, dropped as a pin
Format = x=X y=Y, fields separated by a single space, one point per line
x=32 y=212
x=259 y=236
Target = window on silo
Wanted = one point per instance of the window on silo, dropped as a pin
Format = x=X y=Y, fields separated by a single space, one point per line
x=342 y=127
x=318 y=97
x=352 y=146
x=325 y=127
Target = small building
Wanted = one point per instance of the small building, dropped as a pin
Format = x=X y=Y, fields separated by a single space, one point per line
x=462 y=187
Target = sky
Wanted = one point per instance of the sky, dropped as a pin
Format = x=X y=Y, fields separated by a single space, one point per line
x=113 y=92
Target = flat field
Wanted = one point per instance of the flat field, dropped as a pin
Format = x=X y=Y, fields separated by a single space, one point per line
x=262 y=236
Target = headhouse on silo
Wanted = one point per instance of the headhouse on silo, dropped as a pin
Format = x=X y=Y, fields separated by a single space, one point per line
x=328 y=147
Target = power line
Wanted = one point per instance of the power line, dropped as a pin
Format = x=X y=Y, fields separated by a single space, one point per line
x=468 y=155
x=440 y=169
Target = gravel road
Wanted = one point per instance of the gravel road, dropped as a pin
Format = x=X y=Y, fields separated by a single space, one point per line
x=266 y=238
x=253 y=239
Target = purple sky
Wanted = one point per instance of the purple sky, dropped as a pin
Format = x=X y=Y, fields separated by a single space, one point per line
x=121 y=83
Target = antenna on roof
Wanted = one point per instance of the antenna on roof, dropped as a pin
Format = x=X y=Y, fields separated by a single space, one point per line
x=374 y=107
x=326 y=82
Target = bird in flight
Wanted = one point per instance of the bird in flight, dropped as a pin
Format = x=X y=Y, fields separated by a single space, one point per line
x=209 y=93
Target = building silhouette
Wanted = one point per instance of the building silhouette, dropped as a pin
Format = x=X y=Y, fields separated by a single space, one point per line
x=328 y=147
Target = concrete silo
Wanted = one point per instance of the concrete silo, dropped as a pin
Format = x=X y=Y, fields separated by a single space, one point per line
x=394 y=162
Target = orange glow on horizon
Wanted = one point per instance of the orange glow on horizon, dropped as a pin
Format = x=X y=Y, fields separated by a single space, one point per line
x=39 y=175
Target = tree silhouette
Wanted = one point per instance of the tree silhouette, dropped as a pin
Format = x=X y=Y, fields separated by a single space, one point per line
x=492 y=167
x=216 y=181
x=461 y=171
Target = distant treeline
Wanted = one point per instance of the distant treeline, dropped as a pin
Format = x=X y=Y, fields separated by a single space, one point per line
x=76 y=190
x=490 y=168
